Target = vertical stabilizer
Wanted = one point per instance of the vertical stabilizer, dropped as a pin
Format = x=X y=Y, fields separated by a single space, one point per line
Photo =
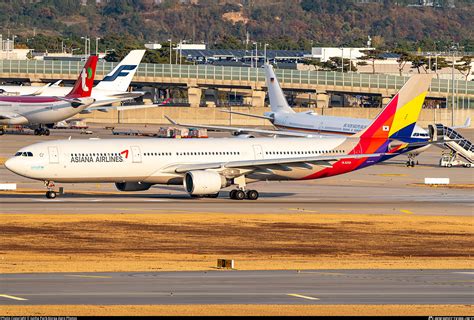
x=278 y=101
x=399 y=117
x=121 y=76
x=84 y=83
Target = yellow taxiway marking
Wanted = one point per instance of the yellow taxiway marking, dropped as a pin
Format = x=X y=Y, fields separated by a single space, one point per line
x=303 y=210
x=94 y=277
x=406 y=211
x=12 y=297
x=301 y=296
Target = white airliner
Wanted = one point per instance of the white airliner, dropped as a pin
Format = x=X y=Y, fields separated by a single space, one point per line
x=205 y=166
x=112 y=88
x=37 y=111
x=291 y=123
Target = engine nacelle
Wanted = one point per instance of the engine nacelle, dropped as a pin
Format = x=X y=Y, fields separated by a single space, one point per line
x=132 y=186
x=203 y=182
x=243 y=135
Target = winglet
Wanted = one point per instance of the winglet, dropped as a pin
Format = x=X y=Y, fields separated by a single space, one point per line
x=172 y=121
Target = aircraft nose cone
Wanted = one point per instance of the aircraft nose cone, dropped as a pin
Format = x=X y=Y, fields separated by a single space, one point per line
x=12 y=165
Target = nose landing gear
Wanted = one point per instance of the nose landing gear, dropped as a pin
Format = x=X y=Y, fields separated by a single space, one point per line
x=50 y=194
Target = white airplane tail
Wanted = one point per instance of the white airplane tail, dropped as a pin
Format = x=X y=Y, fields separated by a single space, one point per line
x=278 y=101
x=121 y=76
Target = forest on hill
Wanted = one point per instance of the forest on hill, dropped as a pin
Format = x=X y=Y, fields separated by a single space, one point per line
x=283 y=24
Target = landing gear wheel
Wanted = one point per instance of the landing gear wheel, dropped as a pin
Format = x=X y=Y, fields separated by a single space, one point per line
x=252 y=194
x=50 y=194
x=232 y=194
x=239 y=195
x=37 y=132
x=46 y=132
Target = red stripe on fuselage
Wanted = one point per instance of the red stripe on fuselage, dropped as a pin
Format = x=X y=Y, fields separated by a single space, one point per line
x=28 y=99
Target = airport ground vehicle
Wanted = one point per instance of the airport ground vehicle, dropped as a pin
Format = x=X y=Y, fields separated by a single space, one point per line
x=205 y=166
x=448 y=160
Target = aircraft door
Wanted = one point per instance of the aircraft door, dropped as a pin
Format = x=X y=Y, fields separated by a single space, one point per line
x=53 y=154
x=136 y=154
x=257 y=149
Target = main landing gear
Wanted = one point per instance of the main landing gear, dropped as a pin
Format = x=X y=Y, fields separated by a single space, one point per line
x=411 y=161
x=238 y=194
x=41 y=132
x=50 y=194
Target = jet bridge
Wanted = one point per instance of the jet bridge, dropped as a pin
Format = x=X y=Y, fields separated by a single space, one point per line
x=462 y=147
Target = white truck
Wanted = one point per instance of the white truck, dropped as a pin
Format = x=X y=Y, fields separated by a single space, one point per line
x=448 y=160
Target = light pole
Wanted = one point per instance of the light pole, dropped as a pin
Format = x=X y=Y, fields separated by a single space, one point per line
x=86 y=39
x=350 y=60
x=342 y=59
x=265 y=52
x=97 y=45
x=453 y=48
x=62 y=44
x=256 y=54
x=169 y=40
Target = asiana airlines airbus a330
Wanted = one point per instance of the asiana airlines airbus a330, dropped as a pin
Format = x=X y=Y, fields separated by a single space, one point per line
x=205 y=166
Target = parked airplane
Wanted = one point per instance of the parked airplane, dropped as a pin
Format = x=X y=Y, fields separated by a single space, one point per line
x=291 y=123
x=205 y=166
x=38 y=111
x=112 y=88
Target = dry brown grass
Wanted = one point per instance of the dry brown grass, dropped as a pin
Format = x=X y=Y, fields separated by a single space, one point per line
x=240 y=310
x=153 y=242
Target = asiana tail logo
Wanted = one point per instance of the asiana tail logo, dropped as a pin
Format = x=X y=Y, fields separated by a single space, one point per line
x=99 y=157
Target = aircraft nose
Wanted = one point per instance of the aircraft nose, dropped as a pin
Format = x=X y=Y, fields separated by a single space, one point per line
x=13 y=164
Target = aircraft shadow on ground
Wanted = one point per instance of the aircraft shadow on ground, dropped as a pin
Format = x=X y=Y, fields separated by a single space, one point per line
x=134 y=196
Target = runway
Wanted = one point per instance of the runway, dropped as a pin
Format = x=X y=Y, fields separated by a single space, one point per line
x=372 y=287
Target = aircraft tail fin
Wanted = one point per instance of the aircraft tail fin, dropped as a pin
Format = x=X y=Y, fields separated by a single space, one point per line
x=399 y=117
x=278 y=101
x=121 y=76
x=84 y=83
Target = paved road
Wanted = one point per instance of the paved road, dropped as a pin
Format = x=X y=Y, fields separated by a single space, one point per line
x=241 y=287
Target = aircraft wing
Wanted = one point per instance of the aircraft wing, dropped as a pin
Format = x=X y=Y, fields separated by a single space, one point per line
x=256 y=164
x=247 y=114
x=118 y=108
x=466 y=124
x=243 y=130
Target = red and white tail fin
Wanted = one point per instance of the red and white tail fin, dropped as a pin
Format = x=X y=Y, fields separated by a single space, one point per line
x=84 y=83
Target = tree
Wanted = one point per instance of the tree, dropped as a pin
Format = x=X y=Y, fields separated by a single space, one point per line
x=372 y=55
x=404 y=58
x=465 y=67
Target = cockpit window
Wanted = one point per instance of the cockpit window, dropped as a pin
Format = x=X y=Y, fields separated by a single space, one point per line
x=24 y=154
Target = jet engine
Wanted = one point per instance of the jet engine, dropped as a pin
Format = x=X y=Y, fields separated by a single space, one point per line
x=203 y=182
x=132 y=186
x=244 y=135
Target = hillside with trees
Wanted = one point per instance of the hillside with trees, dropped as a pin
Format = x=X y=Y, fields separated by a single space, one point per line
x=288 y=24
